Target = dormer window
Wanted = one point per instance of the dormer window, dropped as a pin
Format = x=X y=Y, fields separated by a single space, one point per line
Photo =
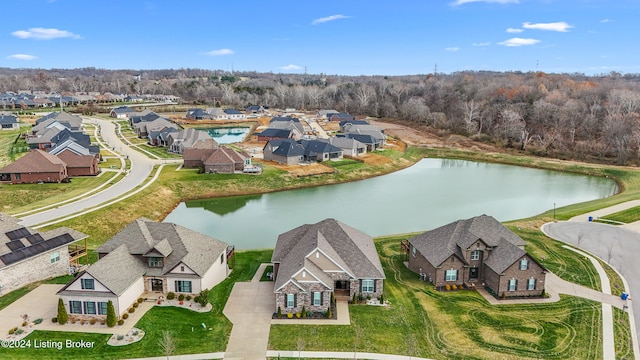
x=524 y=264
x=475 y=255
x=156 y=262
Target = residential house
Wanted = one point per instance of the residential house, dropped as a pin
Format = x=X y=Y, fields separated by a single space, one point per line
x=190 y=138
x=197 y=114
x=9 y=122
x=160 y=137
x=27 y=255
x=288 y=123
x=255 y=109
x=70 y=121
x=193 y=158
x=234 y=114
x=316 y=150
x=350 y=147
x=225 y=160
x=36 y=166
x=371 y=136
x=323 y=113
x=288 y=152
x=79 y=164
x=479 y=251
x=158 y=258
x=340 y=116
x=121 y=112
x=216 y=113
x=313 y=261
x=346 y=124
x=54 y=135
x=269 y=134
x=143 y=128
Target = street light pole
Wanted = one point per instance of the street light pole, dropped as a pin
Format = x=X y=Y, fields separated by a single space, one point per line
x=554 y=212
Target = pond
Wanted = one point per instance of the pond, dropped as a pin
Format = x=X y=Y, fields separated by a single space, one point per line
x=228 y=135
x=429 y=194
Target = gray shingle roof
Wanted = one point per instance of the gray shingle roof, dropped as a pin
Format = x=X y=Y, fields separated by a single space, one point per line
x=109 y=270
x=351 y=249
x=439 y=244
x=503 y=256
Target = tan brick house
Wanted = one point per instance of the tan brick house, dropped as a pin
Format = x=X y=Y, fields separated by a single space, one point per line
x=479 y=251
x=314 y=260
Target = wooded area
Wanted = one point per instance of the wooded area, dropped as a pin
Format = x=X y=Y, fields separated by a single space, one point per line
x=570 y=116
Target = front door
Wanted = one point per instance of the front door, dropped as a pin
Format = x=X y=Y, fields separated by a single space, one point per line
x=473 y=273
x=156 y=285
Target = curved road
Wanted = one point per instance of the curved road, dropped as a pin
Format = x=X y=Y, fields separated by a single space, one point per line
x=617 y=246
x=141 y=167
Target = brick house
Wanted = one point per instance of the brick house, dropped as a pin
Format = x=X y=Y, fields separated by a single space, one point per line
x=34 y=167
x=479 y=251
x=79 y=164
x=314 y=260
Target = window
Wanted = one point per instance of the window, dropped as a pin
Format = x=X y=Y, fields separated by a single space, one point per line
x=156 y=262
x=413 y=251
x=183 y=286
x=102 y=308
x=475 y=255
x=524 y=264
x=75 y=307
x=367 y=286
x=531 y=284
x=291 y=300
x=222 y=259
x=182 y=268
x=317 y=298
x=87 y=284
x=54 y=257
x=451 y=275
x=513 y=285
x=90 y=307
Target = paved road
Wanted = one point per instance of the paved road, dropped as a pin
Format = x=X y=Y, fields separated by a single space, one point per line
x=141 y=167
x=618 y=246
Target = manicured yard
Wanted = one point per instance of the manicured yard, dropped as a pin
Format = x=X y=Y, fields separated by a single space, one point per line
x=452 y=325
x=160 y=152
x=7 y=139
x=625 y=216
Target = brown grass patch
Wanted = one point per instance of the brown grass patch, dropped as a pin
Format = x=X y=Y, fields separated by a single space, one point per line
x=375 y=159
x=303 y=170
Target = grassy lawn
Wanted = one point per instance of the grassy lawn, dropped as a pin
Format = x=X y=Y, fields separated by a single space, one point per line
x=452 y=325
x=25 y=197
x=625 y=216
x=111 y=163
x=7 y=139
x=268 y=269
x=160 y=152
x=178 y=321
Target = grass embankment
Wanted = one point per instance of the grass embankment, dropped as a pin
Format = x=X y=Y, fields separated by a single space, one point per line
x=159 y=152
x=8 y=149
x=453 y=325
x=178 y=321
x=625 y=216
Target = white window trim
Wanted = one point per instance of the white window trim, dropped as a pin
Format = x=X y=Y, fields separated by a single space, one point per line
x=512 y=285
x=291 y=298
x=455 y=275
x=317 y=296
x=531 y=284
x=475 y=255
x=524 y=264
x=366 y=288
x=54 y=257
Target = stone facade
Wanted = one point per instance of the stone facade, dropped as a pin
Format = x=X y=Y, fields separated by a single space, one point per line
x=303 y=298
x=33 y=269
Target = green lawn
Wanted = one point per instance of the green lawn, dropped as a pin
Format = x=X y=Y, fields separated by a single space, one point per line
x=160 y=152
x=452 y=325
x=178 y=321
x=625 y=216
x=7 y=139
x=111 y=163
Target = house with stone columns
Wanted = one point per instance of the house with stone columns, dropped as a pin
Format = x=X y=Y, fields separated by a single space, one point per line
x=313 y=261
x=479 y=251
x=27 y=255
x=146 y=257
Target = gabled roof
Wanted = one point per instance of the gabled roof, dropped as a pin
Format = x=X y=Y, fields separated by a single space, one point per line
x=109 y=270
x=312 y=147
x=353 y=122
x=191 y=136
x=195 y=250
x=275 y=133
x=74 y=160
x=232 y=112
x=350 y=249
x=365 y=139
x=225 y=155
x=286 y=148
x=35 y=161
x=343 y=143
x=123 y=110
x=503 y=256
x=284 y=118
x=288 y=125
x=8 y=119
x=439 y=244
x=71 y=145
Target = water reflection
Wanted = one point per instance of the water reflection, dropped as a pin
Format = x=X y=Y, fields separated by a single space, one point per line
x=222 y=206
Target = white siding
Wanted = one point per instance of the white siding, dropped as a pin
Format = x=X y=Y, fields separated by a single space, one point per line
x=178 y=269
x=77 y=284
x=216 y=273
x=130 y=295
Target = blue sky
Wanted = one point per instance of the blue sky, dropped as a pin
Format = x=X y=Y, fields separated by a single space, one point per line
x=346 y=37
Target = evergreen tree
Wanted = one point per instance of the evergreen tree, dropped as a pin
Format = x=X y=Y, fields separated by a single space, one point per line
x=62 y=313
x=111 y=315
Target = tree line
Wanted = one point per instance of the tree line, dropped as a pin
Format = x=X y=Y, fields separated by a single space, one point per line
x=573 y=116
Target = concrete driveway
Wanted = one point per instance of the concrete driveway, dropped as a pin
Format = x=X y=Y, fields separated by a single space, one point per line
x=42 y=302
x=617 y=246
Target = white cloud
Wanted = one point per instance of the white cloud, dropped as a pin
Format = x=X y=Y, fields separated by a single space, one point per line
x=481 y=44
x=290 y=67
x=519 y=42
x=452 y=49
x=556 y=26
x=606 y=20
x=22 y=57
x=329 y=18
x=220 y=52
x=462 y=2
x=514 y=31
x=44 y=34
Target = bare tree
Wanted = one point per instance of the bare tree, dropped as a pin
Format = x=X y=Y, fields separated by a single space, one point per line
x=167 y=343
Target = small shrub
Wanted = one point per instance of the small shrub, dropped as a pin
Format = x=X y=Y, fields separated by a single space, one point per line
x=125 y=316
x=92 y=321
x=102 y=322
x=368 y=297
x=298 y=315
x=82 y=322
x=290 y=315
x=62 y=313
x=135 y=333
x=120 y=337
x=120 y=322
x=171 y=295
x=111 y=314
x=135 y=305
x=448 y=287
x=188 y=297
x=131 y=310
x=181 y=297
x=360 y=297
x=353 y=299
x=333 y=299
x=197 y=299
x=54 y=320
x=12 y=331
x=19 y=331
x=24 y=323
x=381 y=299
x=140 y=300
x=37 y=321
x=454 y=287
x=279 y=313
x=329 y=313
x=303 y=313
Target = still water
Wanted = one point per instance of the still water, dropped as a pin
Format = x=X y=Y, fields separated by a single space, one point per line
x=227 y=135
x=429 y=194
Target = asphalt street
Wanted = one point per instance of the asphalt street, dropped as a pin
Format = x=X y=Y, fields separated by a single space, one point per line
x=141 y=167
x=617 y=246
